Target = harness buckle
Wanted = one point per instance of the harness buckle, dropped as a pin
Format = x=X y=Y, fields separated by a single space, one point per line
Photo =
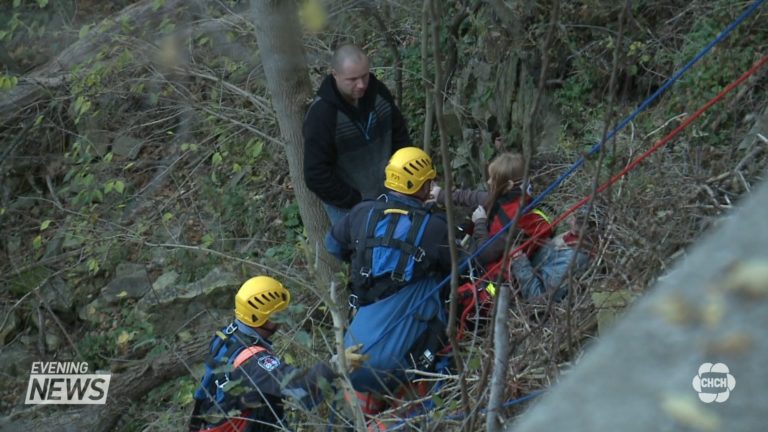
x=231 y=328
x=221 y=385
x=419 y=255
x=397 y=277
x=353 y=301
x=365 y=272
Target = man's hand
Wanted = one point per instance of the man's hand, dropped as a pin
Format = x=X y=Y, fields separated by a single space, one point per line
x=354 y=358
x=434 y=193
x=479 y=214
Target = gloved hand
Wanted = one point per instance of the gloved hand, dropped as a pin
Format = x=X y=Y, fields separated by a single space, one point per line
x=479 y=214
x=354 y=358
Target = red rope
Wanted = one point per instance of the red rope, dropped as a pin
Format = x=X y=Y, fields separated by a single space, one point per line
x=640 y=158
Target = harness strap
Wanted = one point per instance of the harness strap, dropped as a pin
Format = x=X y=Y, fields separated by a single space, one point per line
x=246 y=354
x=504 y=218
x=543 y=215
x=411 y=250
x=370 y=288
x=234 y=347
x=367 y=253
x=503 y=199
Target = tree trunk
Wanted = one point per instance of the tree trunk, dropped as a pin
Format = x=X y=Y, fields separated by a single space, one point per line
x=285 y=67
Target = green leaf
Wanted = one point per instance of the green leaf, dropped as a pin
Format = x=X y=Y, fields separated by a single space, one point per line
x=302 y=338
x=207 y=240
x=84 y=31
x=93 y=266
x=438 y=400
x=16 y=3
x=42 y=3
x=119 y=186
x=44 y=226
x=157 y=5
x=167 y=216
x=255 y=147
x=216 y=159
x=8 y=82
x=37 y=243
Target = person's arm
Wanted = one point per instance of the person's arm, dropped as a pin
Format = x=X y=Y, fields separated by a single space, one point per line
x=305 y=385
x=339 y=239
x=400 y=136
x=320 y=158
x=461 y=197
x=267 y=379
x=491 y=252
x=551 y=273
x=444 y=250
x=530 y=283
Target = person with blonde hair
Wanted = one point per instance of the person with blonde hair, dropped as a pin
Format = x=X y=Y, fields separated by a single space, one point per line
x=495 y=208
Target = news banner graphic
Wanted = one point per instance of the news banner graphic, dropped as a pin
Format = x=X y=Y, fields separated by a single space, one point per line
x=66 y=383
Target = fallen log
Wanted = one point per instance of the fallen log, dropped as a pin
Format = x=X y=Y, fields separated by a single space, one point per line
x=34 y=86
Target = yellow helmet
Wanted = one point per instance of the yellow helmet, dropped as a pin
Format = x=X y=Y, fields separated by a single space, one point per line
x=258 y=298
x=408 y=169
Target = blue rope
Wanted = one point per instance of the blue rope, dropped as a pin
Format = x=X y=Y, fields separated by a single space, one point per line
x=723 y=34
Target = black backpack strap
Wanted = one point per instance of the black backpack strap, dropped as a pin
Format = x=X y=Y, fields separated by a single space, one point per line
x=409 y=247
x=364 y=252
x=369 y=289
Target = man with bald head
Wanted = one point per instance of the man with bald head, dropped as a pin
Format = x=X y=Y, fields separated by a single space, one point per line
x=350 y=131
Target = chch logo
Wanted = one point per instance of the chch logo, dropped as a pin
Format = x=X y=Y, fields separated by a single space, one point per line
x=714 y=382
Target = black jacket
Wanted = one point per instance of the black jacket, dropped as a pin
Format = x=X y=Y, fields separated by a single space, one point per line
x=258 y=387
x=346 y=148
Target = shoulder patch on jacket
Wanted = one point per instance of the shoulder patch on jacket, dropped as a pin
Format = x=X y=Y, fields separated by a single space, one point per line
x=268 y=362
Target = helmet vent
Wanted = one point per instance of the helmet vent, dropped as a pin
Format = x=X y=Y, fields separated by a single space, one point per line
x=256 y=300
x=405 y=168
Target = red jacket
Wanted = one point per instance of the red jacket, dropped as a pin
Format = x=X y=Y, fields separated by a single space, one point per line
x=534 y=223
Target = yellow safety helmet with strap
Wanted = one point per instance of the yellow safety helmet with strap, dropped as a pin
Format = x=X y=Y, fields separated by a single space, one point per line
x=258 y=298
x=408 y=169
